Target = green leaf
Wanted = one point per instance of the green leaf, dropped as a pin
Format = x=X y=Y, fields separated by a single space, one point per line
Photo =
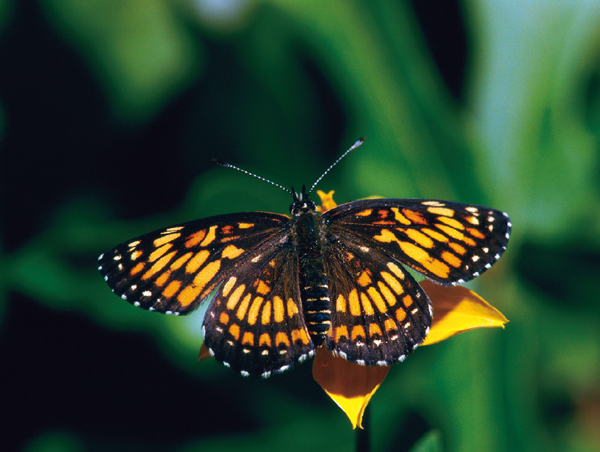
x=430 y=442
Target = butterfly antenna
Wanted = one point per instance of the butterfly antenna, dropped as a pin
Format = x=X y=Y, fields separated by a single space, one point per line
x=354 y=146
x=228 y=165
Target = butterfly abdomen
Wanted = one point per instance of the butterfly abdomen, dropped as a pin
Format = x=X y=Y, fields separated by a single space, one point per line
x=314 y=289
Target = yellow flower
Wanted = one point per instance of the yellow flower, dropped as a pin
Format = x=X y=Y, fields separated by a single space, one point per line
x=456 y=310
x=351 y=386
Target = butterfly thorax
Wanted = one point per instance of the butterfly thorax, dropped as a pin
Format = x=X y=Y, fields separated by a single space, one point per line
x=307 y=234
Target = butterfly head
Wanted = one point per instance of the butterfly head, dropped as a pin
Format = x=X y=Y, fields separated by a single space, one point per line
x=302 y=203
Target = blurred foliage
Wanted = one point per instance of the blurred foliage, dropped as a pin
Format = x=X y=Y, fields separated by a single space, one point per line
x=431 y=442
x=109 y=115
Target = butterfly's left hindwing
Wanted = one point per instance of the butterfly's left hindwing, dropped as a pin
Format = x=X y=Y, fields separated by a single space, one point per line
x=173 y=269
x=255 y=325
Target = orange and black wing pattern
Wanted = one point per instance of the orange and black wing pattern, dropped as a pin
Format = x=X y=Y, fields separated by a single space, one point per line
x=448 y=242
x=254 y=322
x=379 y=313
x=173 y=269
x=352 y=258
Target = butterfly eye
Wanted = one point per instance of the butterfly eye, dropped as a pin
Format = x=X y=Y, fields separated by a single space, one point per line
x=302 y=206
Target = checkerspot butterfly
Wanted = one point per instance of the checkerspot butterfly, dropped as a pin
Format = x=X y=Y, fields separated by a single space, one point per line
x=281 y=286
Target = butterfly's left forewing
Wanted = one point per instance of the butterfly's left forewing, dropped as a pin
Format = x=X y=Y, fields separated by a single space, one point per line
x=172 y=270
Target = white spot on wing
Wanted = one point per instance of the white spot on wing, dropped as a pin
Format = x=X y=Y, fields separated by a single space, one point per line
x=256 y=259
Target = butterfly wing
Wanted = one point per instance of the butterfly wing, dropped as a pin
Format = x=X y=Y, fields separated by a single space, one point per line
x=172 y=270
x=254 y=322
x=448 y=242
x=379 y=313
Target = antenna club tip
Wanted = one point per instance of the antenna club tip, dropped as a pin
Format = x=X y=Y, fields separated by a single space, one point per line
x=220 y=162
x=362 y=139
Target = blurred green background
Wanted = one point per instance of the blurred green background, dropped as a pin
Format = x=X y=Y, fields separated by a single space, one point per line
x=110 y=112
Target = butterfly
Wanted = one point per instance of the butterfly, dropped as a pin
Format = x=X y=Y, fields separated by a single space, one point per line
x=279 y=287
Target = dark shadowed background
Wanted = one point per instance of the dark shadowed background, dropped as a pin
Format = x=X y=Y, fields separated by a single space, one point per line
x=110 y=112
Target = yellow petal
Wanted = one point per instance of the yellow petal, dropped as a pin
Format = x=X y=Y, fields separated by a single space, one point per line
x=204 y=353
x=349 y=385
x=456 y=310
x=327 y=201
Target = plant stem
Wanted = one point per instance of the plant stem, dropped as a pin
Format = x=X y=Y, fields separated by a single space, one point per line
x=363 y=443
